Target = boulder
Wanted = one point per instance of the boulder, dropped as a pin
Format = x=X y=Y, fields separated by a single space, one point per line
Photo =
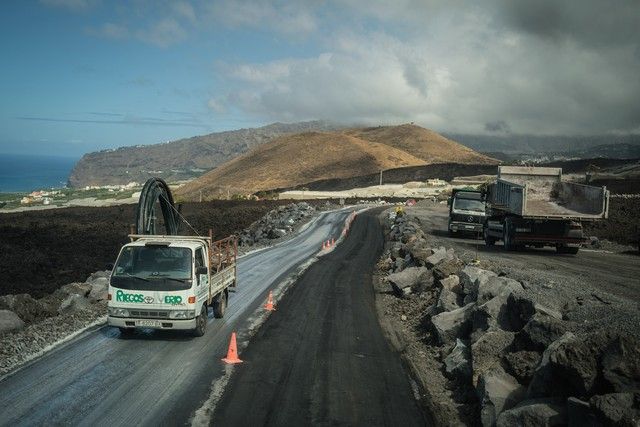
x=398 y=250
x=518 y=312
x=496 y=285
x=497 y=392
x=580 y=414
x=10 y=322
x=568 y=368
x=451 y=283
x=74 y=303
x=615 y=409
x=471 y=277
x=447 y=300
x=277 y=233
x=404 y=282
x=438 y=256
x=99 y=289
x=495 y=314
x=535 y=413
x=458 y=363
x=447 y=268
x=540 y=331
x=487 y=351
x=105 y=274
x=620 y=363
x=522 y=364
x=81 y=289
x=27 y=308
x=453 y=324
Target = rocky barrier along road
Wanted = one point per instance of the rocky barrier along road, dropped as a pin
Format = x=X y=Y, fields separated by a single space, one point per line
x=496 y=352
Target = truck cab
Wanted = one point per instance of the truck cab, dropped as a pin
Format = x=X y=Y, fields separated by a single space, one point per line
x=466 y=211
x=167 y=282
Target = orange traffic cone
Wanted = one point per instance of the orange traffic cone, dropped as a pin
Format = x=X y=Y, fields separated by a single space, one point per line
x=232 y=353
x=333 y=241
x=269 y=305
x=323 y=246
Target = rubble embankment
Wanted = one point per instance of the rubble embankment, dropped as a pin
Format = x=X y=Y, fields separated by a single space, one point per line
x=276 y=224
x=29 y=325
x=492 y=350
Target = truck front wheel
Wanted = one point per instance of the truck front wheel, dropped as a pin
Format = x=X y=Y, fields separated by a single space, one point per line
x=201 y=322
x=220 y=305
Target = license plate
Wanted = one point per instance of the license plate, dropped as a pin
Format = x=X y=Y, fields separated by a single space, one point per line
x=149 y=323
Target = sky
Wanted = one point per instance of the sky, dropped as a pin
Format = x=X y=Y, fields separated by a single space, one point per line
x=86 y=75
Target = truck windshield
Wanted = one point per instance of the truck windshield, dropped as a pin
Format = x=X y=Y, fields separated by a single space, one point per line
x=153 y=268
x=468 y=204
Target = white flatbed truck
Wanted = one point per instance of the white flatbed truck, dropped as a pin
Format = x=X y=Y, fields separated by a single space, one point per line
x=168 y=282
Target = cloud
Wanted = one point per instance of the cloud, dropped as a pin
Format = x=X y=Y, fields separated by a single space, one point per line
x=164 y=33
x=458 y=67
x=110 y=30
x=183 y=9
x=286 y=17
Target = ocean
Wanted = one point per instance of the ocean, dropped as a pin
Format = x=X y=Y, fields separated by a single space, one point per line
x=25 y=173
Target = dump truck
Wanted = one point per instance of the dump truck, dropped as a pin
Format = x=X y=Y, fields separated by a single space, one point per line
x=533 y=206
x=466 y=212
x=169 y=281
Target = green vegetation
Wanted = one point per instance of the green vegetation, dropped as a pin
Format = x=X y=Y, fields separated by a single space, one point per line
x=62 y=196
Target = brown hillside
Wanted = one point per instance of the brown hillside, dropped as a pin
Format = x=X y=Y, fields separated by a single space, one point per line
x=422 y=143
x=294 y=160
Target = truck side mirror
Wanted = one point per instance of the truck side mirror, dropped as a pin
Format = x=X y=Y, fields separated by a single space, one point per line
x=449 y=201
x=202 y=270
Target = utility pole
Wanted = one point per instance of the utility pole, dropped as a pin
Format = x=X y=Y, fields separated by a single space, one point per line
x=380 y=176
x=200 y=196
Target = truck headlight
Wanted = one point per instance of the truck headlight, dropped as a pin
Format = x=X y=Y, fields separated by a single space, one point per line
x=118 y=312
x=182 y=314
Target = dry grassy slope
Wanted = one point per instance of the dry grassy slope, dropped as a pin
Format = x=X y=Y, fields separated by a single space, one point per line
x=423 y=143
x=297 y=159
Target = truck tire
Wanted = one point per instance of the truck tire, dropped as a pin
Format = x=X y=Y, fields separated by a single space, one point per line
x=488 y=240
x=201 y=322
x=507 y=237
x=220 y=305
x=562 y=249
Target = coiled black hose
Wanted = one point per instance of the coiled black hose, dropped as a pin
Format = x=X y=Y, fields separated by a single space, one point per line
x=156 y=190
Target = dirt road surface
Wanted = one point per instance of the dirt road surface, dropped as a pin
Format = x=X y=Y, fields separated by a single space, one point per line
x=321 y=358
x=151 y=378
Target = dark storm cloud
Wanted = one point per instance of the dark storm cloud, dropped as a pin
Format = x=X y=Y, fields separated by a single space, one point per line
x=595 y=23
x=497 y=126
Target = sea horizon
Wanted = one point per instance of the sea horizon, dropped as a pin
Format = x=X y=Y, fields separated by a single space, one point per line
x=20 y=173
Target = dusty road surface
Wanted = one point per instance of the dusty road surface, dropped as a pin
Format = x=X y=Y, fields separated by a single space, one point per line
x=321 y=358
x=151 y=378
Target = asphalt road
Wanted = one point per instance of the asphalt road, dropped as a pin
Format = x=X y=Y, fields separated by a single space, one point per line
x=616 y=273
x=321 y=358
x=152 y=377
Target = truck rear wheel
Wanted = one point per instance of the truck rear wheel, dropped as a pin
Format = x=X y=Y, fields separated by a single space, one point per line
x=507 y=237
x=201 y=322
x=220 y=305
x=488 y=240
x=562 y=249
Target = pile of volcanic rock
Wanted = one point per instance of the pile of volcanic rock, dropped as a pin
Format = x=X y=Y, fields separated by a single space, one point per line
x=518 y=356
x=17 y=311
x=276 y=224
